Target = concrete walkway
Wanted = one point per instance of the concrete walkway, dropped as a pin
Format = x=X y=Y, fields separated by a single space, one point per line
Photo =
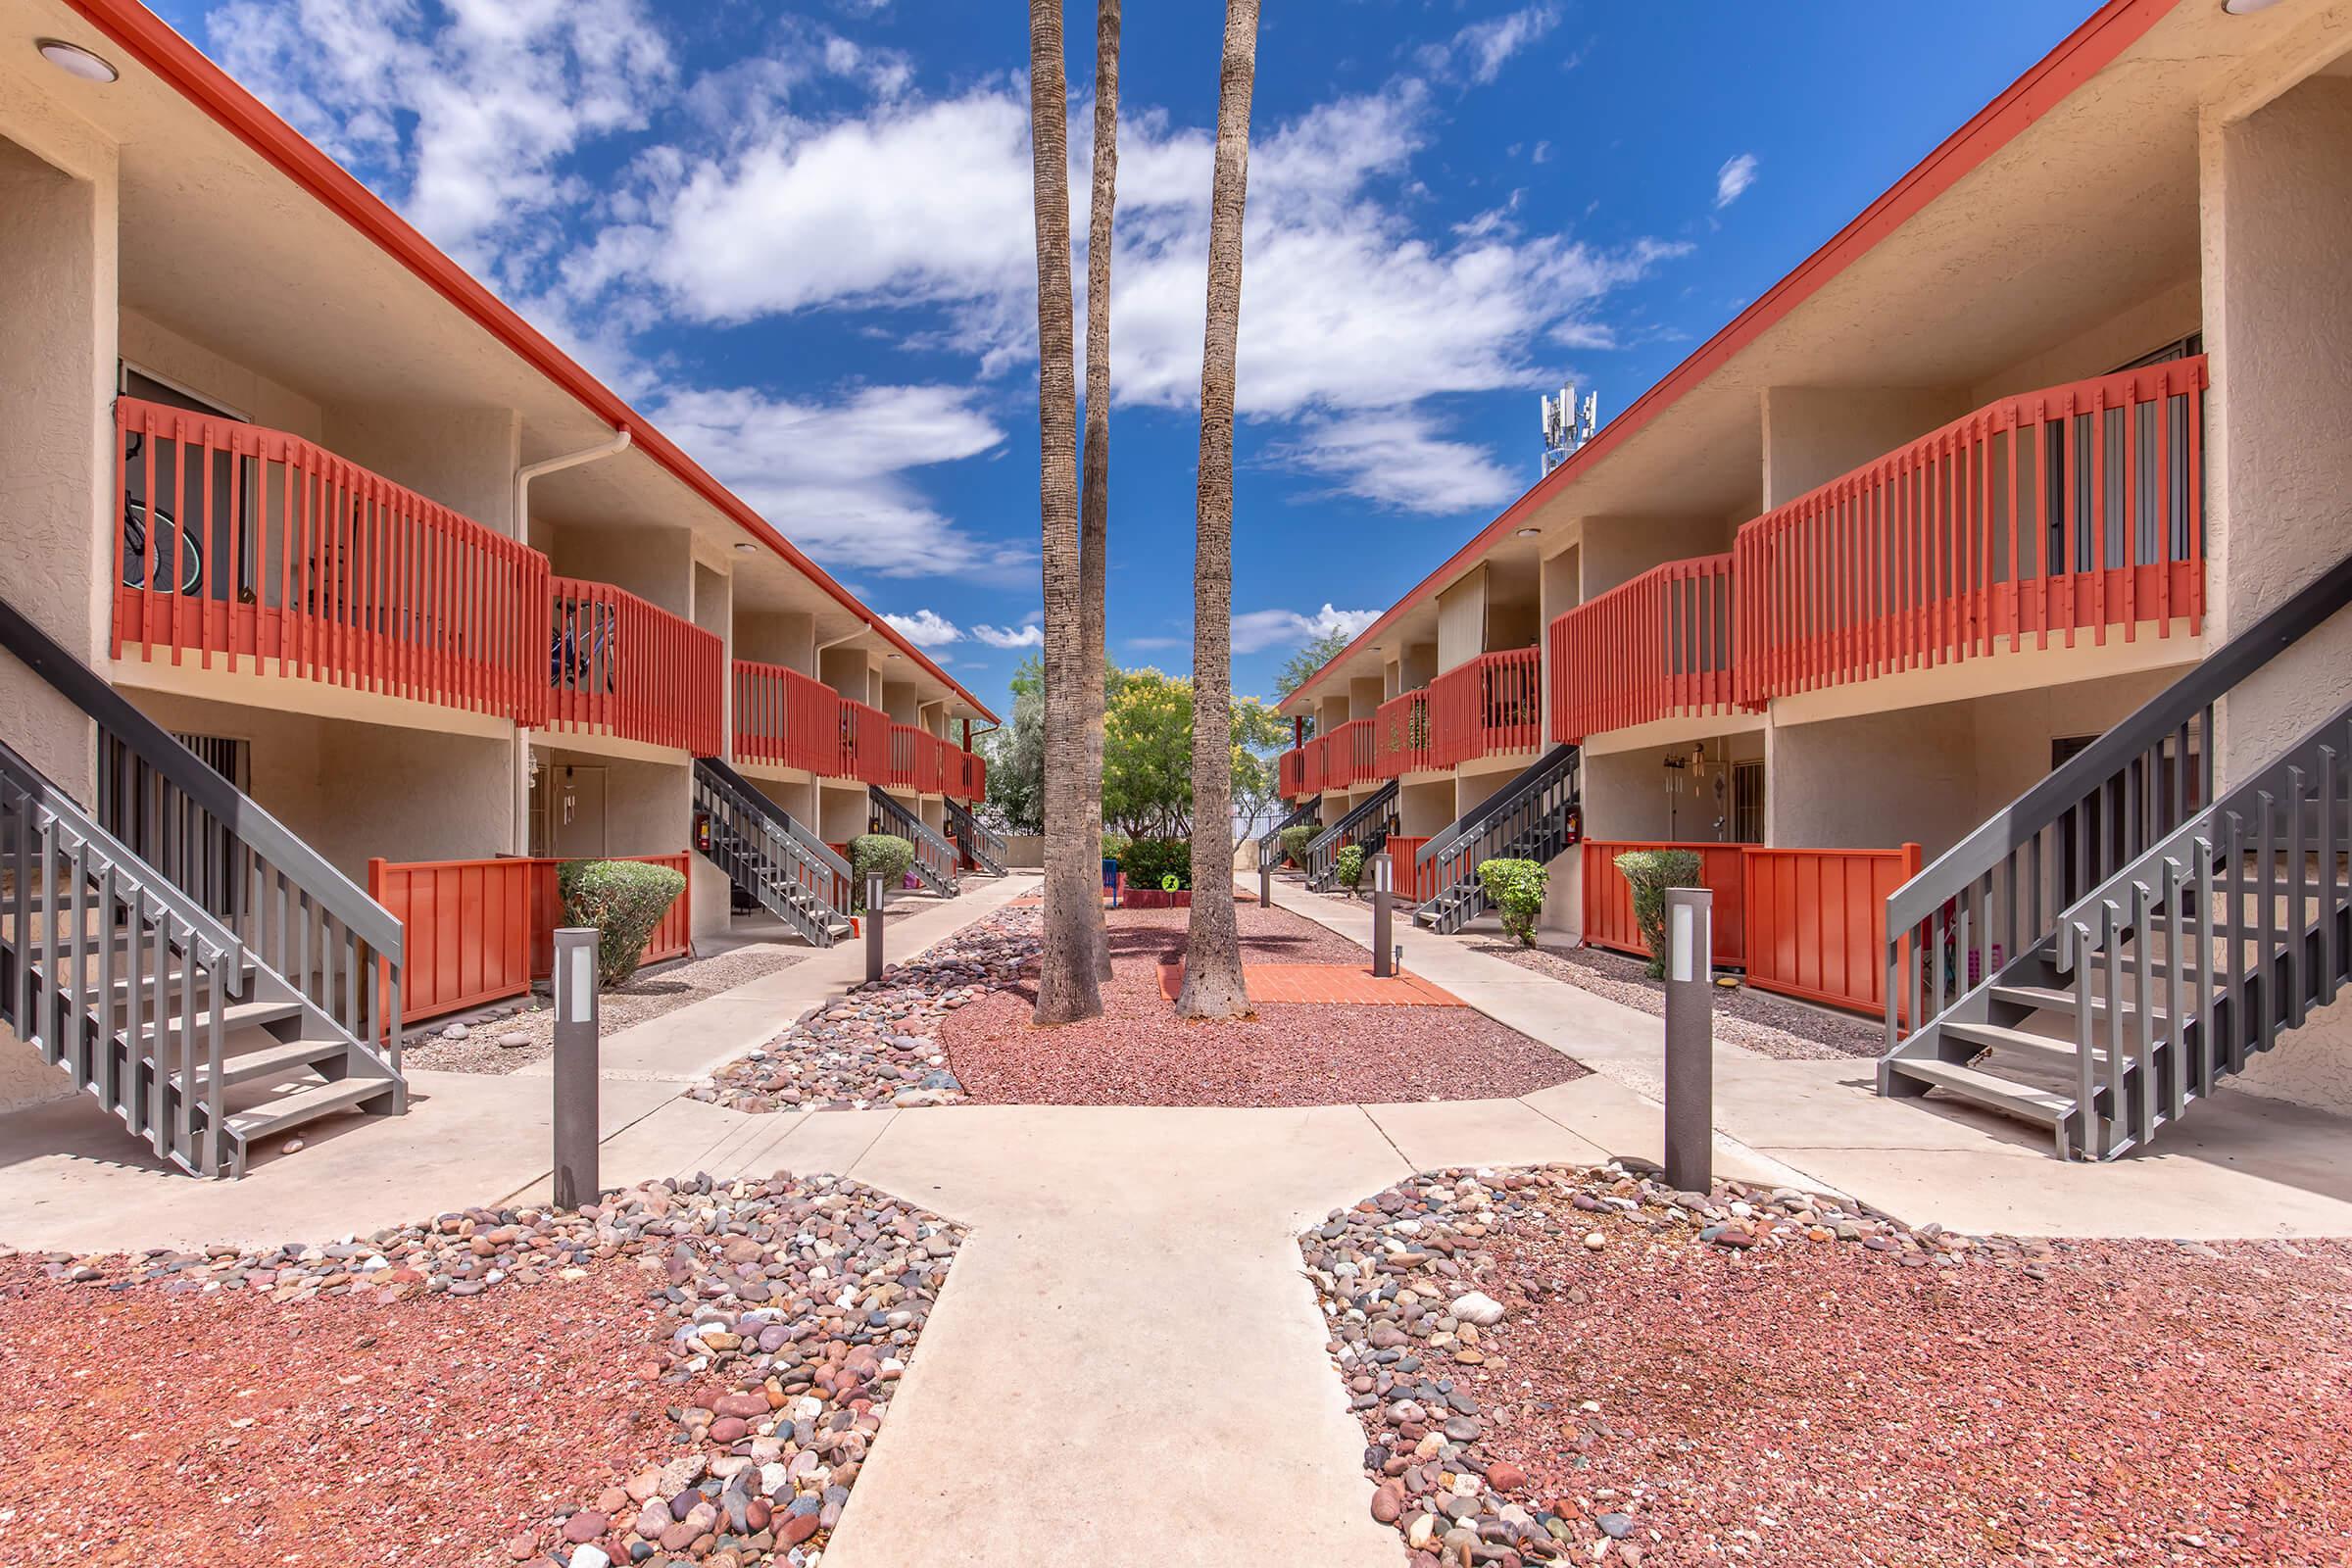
x=1125 y=1366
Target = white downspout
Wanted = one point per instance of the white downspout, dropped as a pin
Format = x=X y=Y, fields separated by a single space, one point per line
x=618 y=443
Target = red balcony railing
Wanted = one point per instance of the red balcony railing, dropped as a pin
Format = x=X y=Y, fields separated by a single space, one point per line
x=1403 y=739
x=1658 y=646
x=1341 y=758
x=865 y=743
x=237 y=542
x=619 y=667
x=1490 y=705
x=926 y=762
x=1291 y=775
x=2080 y=508
x=787 y=720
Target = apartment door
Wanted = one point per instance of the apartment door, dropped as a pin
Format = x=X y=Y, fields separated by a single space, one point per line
x=567 y=812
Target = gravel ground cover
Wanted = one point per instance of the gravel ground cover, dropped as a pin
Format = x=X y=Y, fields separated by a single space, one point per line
x=952 y=1026
x=1139 y=1053
x=1754 y=1020
x=512 y=1037
x=686 y=1373
x=1562 y=1365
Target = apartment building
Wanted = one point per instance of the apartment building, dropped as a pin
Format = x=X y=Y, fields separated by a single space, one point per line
x=1971 y=602
x=340 y=604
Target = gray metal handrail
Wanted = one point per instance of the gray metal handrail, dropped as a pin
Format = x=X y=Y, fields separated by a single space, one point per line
x=82 y=876
x=934 y=856
x=1323 y=849
x=753 y=838
x=2157 y=719
x=1269 y=843
x=984 y=843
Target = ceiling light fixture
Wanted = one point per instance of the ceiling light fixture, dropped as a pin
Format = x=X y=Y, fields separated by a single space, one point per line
x=744 y=547
x=1529 y=533
x=2246 y=8
x=75 y=61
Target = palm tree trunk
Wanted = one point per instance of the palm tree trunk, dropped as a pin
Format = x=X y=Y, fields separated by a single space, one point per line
x=1213 y=987
x=1094 y=502
x=1066 y=989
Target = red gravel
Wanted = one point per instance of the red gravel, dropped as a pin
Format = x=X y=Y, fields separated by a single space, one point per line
x=1825 y=1407
x=141 y=1427
x=1139 y=1053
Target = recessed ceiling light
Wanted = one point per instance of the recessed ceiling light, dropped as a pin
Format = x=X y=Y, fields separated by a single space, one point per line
x=75 y=61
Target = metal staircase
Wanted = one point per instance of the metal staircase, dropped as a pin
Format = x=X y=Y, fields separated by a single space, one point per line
x=2097 y=958
x=1533 y=817
x=983 y=845
x=1269 y=843
x=934 y=856
x=1366 y=824
x=189 y=964
x=770 y=858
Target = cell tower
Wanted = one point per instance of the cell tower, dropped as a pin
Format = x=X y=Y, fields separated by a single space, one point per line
x=1566 y=427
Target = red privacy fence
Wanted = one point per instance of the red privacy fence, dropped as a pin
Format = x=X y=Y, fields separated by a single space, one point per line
x=2077 y=507
x=1809 y=923
x=475 y=931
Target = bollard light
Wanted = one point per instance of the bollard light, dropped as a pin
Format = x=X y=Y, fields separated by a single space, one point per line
x=1690 y=1039
x=874 y=894
x=1382 y=885
x=576 y=1177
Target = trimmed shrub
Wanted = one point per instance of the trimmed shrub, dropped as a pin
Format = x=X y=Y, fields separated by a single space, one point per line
x=624 y=899
x=1294 y=841
x=1149 y=863
x=1115 y=844
x=1517 y=890
x=873 y=853
x=1650 y=873
x=1348 y=866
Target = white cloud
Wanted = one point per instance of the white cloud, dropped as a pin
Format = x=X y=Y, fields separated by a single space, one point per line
x=1397 y=459
x=466 y=121
x=1732 y=179
x=1257 y=630
x=1484 y=47
x=833 y=476
x=1031 y=635
x=926 y=628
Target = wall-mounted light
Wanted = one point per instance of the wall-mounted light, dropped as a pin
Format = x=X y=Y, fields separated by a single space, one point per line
x=75 y=61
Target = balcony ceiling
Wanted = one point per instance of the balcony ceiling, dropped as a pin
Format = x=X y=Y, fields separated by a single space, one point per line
x=2088 y=210
x=225 y=249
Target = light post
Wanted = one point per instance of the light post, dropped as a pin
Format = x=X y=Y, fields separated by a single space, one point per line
x=1383 y=888
x=1690 y=1038
x=575 y=1118
x=873 y=927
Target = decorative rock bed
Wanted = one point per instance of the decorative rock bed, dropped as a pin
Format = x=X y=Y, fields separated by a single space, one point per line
x=795 y=1303
x=1584 y=1366
x=1414 y=1335
x=880 y=1044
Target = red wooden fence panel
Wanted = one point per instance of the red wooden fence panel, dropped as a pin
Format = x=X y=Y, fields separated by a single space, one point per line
x=1817 y=921
x=1406 y=870
x=671 y=934
x=1609 y=900
x=465 y=930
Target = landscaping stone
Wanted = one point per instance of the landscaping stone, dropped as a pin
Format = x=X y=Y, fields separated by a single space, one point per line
x=794 y=1305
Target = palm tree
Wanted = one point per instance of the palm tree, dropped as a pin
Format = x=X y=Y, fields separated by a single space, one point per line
x=1213 y=987
x=1066 y=989
x=1093 y=501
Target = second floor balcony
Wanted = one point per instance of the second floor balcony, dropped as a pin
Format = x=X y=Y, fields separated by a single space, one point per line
x=785 y=718
x=1658 y=646
x=621 y=667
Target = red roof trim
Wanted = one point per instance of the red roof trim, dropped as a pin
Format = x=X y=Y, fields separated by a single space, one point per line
x=184 y=68
x=2083 y=53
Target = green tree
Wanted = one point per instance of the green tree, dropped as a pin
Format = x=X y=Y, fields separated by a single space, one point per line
x=1016 y=755
x=1306 y=660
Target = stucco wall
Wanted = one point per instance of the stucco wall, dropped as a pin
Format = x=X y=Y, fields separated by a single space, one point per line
x=1416 y=665
x=1813 y=434
x=1462 y=621
x=463 y=458
x=778 y=637
x=218 y=379
x=1874 y=781
x=846 y=670
x=842 y=811
x=2139 y=329
x=1617 y=548
x=2277 y=234
x=654 y=562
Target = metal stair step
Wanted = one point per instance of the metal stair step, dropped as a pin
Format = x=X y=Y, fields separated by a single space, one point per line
x=2022 y=1100
x=247 y=1127
x=277 y=1061
x=2052 y=999
x=2019 y=1042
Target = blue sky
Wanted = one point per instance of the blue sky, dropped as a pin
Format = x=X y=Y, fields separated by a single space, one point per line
x=799 y=236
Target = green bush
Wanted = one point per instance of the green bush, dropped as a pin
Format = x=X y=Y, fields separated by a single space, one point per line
x=624 y=899
x=1650 y=873
x=1294 y=841
x=1348 y=866
x=885 y=853
x=1114 y=846
x=1517 y=890
x=1148 y=861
